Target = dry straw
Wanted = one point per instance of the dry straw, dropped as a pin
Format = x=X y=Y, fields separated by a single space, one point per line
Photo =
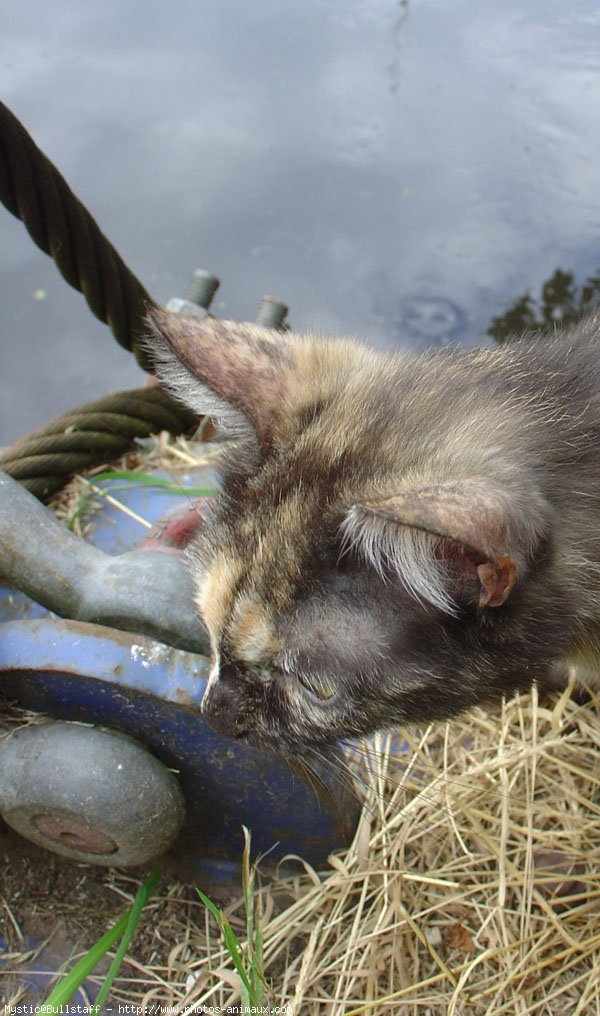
x=472 y=885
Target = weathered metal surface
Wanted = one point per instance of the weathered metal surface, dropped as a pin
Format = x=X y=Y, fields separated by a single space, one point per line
x=76 y=670
x=73 y=670
x=118 y=805
x=136 y=591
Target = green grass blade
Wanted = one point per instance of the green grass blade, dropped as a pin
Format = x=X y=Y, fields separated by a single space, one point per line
x=142 y=479
x=253 y=933
x=232 y=944
x=66 y=988
x=248 y=961
x=257 y=965
x=142 y=897
x=212 y=907
x=81 y=507
x=147 y=479
x=248 y=888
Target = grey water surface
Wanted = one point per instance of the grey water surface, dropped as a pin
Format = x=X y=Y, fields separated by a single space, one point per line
x=396 y=169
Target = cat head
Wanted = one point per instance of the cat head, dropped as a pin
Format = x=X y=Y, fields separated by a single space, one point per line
x=358 y=571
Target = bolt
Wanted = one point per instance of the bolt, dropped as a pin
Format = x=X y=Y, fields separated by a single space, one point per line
x=271 y=313
x=202 y=287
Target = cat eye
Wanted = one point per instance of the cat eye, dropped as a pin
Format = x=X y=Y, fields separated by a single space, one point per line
x=319 y=686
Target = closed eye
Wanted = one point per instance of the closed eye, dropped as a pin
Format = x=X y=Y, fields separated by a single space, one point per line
x=321 y=687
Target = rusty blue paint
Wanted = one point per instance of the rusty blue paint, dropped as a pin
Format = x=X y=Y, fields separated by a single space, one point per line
x=76 y=671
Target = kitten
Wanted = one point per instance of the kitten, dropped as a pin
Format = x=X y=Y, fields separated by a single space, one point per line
x=399 y=536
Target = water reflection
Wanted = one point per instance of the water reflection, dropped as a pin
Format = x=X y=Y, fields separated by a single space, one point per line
x=392 y=171
x=561 y=300
x=425 y=321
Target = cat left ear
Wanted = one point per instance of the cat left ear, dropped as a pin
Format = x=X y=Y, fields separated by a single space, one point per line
x=448 y=543
x=235 y=372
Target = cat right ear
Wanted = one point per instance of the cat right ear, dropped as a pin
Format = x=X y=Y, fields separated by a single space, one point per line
x=234 y=372
x=453 y=542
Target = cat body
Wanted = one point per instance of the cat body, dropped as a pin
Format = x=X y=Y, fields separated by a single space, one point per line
x=399 y=536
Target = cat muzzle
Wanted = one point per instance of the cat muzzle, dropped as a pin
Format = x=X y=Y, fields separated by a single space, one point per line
x=223 y=704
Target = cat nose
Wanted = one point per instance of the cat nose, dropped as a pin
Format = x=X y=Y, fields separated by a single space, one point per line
x=222 y=702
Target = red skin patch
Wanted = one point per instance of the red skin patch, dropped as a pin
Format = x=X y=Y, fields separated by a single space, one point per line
x=497 y=578
x=172 y=533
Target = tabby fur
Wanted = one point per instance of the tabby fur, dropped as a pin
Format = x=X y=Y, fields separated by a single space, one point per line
x=399 y=536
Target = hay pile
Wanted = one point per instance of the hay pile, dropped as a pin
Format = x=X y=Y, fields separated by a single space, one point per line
x=472 y=886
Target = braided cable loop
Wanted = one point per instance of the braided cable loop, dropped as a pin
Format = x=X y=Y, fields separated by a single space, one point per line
x=33 y=190
x=100 y=431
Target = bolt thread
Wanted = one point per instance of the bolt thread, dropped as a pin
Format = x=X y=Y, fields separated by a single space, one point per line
x=271 y=313
x=202 y=287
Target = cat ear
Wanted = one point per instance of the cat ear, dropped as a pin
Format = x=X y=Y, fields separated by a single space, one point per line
x=451 y=542
x=237 y=373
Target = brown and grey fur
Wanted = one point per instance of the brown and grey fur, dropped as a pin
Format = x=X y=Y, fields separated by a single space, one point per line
x=399 y=536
